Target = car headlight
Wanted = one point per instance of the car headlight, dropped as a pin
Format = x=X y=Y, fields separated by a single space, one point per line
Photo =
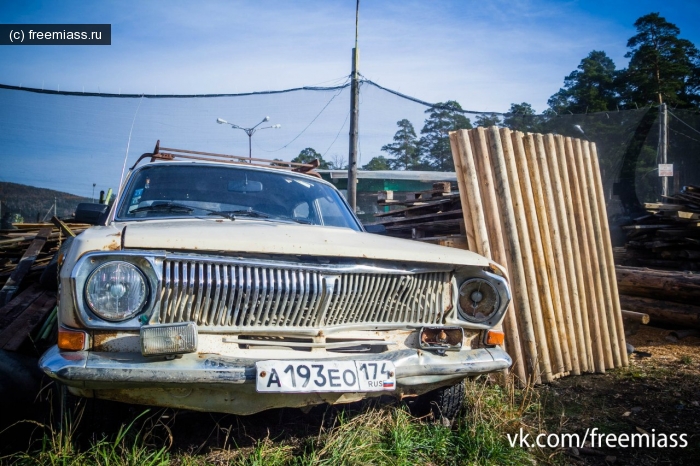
x=116 y=291
x=478 y=300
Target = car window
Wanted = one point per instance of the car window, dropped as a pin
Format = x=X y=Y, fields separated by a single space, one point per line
x=177 y=191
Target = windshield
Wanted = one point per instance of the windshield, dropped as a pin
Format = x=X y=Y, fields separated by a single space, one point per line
x=177 y=191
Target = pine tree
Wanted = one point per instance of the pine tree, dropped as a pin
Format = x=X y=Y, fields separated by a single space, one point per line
x=435 y=142
x=663 y=67
x=404 y=149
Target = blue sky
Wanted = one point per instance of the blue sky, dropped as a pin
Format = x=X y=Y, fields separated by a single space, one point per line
x=486 y=55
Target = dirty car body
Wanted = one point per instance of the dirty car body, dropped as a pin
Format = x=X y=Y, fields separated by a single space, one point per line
x=238 y=288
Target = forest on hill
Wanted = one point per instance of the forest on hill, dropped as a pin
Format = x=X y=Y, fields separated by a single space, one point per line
x=33 y=204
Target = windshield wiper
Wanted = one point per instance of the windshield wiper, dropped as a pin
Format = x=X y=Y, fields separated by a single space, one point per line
x=231 y=214
x=167 y=207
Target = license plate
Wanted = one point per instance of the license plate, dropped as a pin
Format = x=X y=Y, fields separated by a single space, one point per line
x=324 y=376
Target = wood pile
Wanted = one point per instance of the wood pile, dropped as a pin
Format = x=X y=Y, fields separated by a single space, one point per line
x=24 y=304
x=668 y=236
x=534 y=203
x=668 y=296
x=422 y=215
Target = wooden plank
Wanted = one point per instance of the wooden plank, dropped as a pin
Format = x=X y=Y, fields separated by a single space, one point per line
x=660 y=206
x=572 y=313
x=438 y=204
x=495 y=232
x=527 y=252
x=15 y=280
x=514 y=252
x=387 y=221
x=426 y=225
x=17 y=332
x=62 y=226
x=10 y=311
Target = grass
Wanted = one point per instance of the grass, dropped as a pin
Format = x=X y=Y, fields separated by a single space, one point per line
x=377 y=436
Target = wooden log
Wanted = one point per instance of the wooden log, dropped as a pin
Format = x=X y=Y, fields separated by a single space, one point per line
x=495 y=232
x=609 y=260
x=573 y=317
x=639 y=317
x=527 y=252
x=560 y=285
x=527 y=179
x=461 y=143
x=463 y=197
x=549 y=280
x=584 y=332
x=30 y=255
x=663 y=311
x=617 y=339
x=676 y=286
x=594 y=266
x=513 y=250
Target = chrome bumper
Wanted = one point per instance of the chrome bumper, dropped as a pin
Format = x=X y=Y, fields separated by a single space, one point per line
x=98 y=370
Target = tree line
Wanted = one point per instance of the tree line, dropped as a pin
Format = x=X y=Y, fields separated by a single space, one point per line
x=663 y=68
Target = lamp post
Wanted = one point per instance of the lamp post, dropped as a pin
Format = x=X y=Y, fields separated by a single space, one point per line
x=249 y=131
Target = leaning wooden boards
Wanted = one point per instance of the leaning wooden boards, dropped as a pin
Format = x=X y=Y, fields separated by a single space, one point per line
x=534 y=203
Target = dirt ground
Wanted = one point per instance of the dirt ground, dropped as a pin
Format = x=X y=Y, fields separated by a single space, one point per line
x=657 y=393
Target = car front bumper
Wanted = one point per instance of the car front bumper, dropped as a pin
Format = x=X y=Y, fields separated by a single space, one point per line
x=211 y=382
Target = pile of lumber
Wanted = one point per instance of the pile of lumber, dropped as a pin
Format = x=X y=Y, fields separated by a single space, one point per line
x=534 y=203
x=25 y=252
x=422 y=215
x=667 y=296
x=668 y=236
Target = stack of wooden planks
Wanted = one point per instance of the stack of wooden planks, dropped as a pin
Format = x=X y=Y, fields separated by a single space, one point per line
x=534 y=203
x=668 y=236
x=421 y=215
x=24 y=254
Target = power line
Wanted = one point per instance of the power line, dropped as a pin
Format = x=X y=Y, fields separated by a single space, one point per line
x=336 y=136
x=683 y=134
x=686 y=124
x=307 y=126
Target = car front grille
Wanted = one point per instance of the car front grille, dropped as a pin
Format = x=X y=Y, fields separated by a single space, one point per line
x=225 y=294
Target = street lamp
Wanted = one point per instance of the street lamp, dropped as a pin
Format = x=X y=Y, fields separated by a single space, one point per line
x=249 y=131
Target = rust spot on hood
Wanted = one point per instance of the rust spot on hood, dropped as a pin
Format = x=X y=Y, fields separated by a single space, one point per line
x=113 y=246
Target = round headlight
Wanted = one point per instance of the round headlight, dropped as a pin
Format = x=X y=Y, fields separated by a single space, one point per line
x=478 y=300
x=116 y=291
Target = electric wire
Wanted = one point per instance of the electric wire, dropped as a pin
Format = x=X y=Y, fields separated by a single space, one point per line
x=686 y=124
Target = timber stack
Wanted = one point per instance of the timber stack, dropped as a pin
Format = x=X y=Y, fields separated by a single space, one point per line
x=28 y=302
x=534 y=203
x=424 y=215
x=667 y=236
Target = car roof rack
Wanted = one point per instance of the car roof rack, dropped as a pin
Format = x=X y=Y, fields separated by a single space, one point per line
x=169 y=154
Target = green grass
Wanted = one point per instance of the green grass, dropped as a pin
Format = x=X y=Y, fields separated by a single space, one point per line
x=378 y=436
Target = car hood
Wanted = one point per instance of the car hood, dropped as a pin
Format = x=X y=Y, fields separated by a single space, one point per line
x=265 y=237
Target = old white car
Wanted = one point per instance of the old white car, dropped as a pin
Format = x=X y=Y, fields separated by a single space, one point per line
x=221 y=284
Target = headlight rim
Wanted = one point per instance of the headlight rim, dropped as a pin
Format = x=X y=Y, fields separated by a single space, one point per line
x=462 y=314
x=140 y=309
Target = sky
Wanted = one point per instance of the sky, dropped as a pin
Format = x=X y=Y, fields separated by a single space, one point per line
x=485 y=55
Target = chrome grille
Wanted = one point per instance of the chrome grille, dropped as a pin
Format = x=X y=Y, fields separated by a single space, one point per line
x=246 y=296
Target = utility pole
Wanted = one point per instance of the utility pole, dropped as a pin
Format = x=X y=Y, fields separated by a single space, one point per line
x=354 y=118
x=663 y=146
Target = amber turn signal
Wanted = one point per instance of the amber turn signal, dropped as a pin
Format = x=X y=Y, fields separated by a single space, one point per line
x=71 y=340
x=494 y=338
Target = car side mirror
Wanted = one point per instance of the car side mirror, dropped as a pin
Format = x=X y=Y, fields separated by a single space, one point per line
x=92 y=214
